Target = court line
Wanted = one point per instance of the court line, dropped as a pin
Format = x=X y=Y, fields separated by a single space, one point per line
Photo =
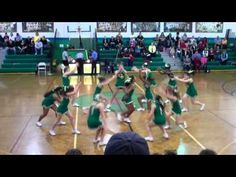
x=76 y=122
x=190 y=135
x=22 y=131
x=227 y=146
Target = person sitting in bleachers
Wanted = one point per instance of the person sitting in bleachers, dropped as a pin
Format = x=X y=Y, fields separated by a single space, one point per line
x=140 y=39
x=217 y=42
x=204 y=63
x=1 y=41
x=6 y=38
x=105 y=43
x=112 y=43
x=196 y=58
x=11 y=37
x=22 y=48
x=18 y=39
x=218 y=53
x=132 y=43
x=119 y=42
x=211 y=55
x=205 y=52
x=119 y=37
x=162 y=42
x=224 y=44
x=152 y=49
x=38 y=47
x=224 y=58
x=45 y=43
x=11 y=48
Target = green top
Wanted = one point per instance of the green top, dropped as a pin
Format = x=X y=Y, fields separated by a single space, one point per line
x=65 y=81
x=176 y=108
x=148 y=77
x=93 y=120
x=48 y=101
x=191 y=90
x=98 y=90
x=120 y=81
x=63 y=107
x=159 y=115
x=172 y=83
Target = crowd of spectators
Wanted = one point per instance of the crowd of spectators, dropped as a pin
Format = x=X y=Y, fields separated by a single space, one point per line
x=15 y=44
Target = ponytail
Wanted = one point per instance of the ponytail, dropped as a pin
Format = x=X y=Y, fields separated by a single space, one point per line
x=57 y=89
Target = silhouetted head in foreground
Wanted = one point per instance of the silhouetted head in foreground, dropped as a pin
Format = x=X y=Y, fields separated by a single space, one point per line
x=73 y=152
x=207 y=152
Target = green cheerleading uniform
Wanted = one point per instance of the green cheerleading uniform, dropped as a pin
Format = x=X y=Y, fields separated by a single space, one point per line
x=120 y=81
x=127 y=98
x=65 y=82
x=48 y=101
x=148 y=76
x=98 y=90
x=176 y=109
x=159 y=115
x=63 y=107
x=191 y=90
x=93 y=120
x=172 y=83
x=148 y=88
x=148 y=93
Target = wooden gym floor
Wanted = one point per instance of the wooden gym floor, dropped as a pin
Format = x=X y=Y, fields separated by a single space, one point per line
x=21 y=97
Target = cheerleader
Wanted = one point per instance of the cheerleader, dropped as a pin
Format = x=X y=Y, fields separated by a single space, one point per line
x=156 y=117
x=62 y=109
x=48 y=103
x=191 y=91
x=120 y=76
x=148 y=82
x=127 y=100
x=96 y=119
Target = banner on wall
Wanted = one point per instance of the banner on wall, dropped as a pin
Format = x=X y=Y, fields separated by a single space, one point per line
x=209 y=27
x=37 y=26
x=178 y=27
x=8 y=27
x=111 y=26
x=145 y=26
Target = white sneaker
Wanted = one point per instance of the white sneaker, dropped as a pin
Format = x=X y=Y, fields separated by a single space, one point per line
x=107 y=110
x=127 y=120
x=62 y=123
x=180 y=101
x=95 y=141
x=166 y=136
x=184 y=110
x=76 y=131
x=183 y=125
x=140 y=109
x=76 y=105
x=149 y=138
x=102 y=143
x=202 y=108
x=52 y=133
x=39 y=124
x=144 y=101
x=166 y=127
x=167 y=101
x=119 y=117
x=108 y=106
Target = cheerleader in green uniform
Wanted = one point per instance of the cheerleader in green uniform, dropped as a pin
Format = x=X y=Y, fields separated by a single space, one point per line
x=149 y=83
x=191 y=91
x=156 y=117
x=175 y=111
x=121 y=76
x=127 y=100
x=62 y=109
x=66 y=81
x=97 y=119
x=48 y=103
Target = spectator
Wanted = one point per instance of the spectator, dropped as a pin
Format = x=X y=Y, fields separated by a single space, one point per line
x=204 y=63
x=30 y=45
x=36 y=38
x=18 y=39
x=192 y=40
x=38 y=47
x=224 y=44
x=65 y=57
x=112 y=42
x=183 y=48
x=217 y=42
x=80 y=60
x=119 y=42
x=45 y=42
x=10 y=47
x=152 y=49
x=205 y=53
x=94 y=62
x=162 y=40
x=169 y=42
x=187 y=64
x=6 y=38
x=127 y=143
x=207 y=152
x=185 y=38
x=224 y=58
x=119 y=37
x=11 y=37
x=199 y=40
x=105 y=43
x=73 y=152
x=1 y=41
x=23 y=48
x=201 y=47
x=211 y=55
x=130 y=60
x=140 y=38
x=196 y=58
x=177 y=40
x=156 y=42
x=205 y=42
x=132 y=43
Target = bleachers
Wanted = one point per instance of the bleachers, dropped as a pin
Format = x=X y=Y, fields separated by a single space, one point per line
x=22 y=63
